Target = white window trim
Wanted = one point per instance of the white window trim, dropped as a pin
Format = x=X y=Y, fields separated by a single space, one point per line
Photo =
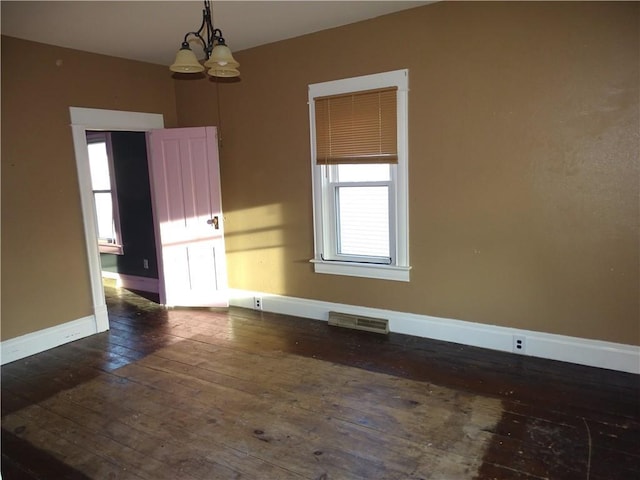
x=116 y=248
x=399 y=271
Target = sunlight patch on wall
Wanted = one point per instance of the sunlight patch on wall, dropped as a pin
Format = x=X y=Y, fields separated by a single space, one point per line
x=255 y=248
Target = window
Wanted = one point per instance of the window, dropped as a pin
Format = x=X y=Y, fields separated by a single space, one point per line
x=104 y=192
x=360 y=175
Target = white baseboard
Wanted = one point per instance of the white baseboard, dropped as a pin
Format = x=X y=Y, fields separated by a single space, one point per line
x=36 y=342
x=582 y=351
x=102 y=318
x=133 y=282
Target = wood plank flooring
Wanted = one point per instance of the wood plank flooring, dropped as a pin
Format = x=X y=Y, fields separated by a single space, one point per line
x=197 y=394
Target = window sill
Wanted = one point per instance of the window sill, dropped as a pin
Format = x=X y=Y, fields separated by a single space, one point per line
x=111 y=248
x=382 y=272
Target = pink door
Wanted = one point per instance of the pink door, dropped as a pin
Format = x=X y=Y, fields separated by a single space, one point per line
x=185 y=183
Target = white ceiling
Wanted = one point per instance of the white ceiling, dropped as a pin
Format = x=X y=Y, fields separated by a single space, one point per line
x=151 y=31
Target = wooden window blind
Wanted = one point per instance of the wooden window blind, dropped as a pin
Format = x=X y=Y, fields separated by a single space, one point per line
x=358 y=127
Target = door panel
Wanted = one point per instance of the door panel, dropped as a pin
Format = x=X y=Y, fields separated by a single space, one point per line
x=185 y=180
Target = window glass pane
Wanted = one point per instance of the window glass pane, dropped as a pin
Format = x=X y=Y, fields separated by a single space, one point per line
x=370 y=172
x=104 y=214
x=99 y=166
x=363 y=220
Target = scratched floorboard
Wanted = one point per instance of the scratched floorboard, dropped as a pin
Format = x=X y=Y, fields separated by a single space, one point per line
x=195 y=394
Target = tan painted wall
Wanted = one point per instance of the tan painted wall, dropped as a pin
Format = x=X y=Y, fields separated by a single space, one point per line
x=45 y=277
x=524 y=163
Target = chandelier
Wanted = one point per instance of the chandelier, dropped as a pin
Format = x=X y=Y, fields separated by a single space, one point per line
x=218 y=58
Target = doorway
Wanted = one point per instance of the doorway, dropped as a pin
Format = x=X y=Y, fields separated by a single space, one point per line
x=123 y=209
x=82 y=120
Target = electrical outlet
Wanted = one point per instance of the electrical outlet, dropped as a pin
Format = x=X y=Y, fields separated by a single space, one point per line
x=257 y=303
x=145 y=263
x=519 y=344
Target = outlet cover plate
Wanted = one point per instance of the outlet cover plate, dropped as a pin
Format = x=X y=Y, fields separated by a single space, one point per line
x=519 y=344
x=257 y=303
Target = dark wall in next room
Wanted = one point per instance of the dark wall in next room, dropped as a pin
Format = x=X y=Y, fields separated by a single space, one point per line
x=134 y=200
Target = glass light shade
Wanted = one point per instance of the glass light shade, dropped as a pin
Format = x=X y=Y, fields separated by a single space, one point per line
x=186 y=62
x=225 y=71
x=221 y=55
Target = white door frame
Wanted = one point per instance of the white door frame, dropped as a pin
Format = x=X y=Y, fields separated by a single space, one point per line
x=83 y=119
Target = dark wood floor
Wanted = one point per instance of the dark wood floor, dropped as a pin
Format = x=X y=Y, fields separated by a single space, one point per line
x=244 y=394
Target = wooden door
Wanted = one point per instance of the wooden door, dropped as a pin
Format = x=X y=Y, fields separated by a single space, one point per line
x=185 y=184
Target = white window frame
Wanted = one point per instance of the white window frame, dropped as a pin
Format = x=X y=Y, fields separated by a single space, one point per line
x=324 y=220
x=106 y=247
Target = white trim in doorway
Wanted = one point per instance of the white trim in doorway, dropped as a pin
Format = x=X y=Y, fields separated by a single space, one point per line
x=83 y=119
x=133 y=282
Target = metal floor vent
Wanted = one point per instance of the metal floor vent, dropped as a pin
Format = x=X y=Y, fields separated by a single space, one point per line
x=358 y=322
